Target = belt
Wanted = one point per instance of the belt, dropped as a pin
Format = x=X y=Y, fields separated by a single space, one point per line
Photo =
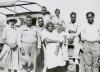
x=28 y=42
x=92 y=41
x=92 y=44
x=72 y=31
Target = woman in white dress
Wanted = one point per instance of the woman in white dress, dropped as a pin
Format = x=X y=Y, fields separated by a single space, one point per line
x=9 y=54
x=54 y=60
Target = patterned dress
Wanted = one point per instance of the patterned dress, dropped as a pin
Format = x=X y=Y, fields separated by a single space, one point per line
x=9 y=56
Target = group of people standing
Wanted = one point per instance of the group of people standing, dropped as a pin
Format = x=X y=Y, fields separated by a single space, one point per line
x=44 y=47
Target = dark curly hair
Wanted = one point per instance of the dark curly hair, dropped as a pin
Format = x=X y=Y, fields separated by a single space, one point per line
x=90 y=13
x=57 y=10
x=29 y=16
x=72 y=13
x=49 y=23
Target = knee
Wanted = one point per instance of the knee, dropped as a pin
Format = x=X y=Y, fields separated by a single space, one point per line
x=87 y=66
x=95 y=65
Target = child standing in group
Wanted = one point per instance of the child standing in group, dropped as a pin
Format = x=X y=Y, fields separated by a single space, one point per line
x=62 y=36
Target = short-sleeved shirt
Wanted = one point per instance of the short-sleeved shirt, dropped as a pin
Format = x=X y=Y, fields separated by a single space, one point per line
x=90 y=32
x=58 y=21
x=10 y=34
x=72 y=27
x=29 y=35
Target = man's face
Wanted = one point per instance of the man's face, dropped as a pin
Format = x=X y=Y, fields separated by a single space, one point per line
x=44 y=10
x=57 y=13
x=12 y=24
x=50 y=28
x=90 y=18
x=41 y=23
x=73 y=18
x=29 y=21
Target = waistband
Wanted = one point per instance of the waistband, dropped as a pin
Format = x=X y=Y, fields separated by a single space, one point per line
x=92 y=41
x=28 y=42
x=72 y=32
x=92 y=45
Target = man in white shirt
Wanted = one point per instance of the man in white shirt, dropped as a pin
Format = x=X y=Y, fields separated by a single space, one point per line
x=40 y=57
x=29 y=44
x=57 y=20
x=90 y=35
x=40 y=24
x=73 y=42
x=45 y=15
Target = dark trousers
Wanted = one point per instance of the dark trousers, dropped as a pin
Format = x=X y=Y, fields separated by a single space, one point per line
x=57 y=69
x=40 y=61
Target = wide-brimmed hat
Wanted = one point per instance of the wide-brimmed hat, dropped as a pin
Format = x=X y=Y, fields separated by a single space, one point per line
x=12 y=20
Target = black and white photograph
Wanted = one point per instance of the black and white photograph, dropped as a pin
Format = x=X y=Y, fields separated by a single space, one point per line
x=49 y=36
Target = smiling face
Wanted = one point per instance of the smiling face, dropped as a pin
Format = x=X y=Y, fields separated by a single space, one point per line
x=57 y=13
x=50 y=27
x=73 y=18
x=90 y=18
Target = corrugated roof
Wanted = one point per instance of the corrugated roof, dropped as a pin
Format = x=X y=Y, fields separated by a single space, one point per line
x=15 y=7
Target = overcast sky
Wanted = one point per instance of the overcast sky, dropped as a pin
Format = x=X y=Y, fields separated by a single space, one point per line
x=67 y=6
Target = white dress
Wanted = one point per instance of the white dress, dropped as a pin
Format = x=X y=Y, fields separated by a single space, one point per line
x=9 y=57
x=52 y=60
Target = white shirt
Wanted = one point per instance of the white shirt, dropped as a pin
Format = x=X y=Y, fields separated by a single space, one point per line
x=58 y=21
x=90 y=32
x=10 y=34
x=72 y=27
x=29 y=35
x=40 y=29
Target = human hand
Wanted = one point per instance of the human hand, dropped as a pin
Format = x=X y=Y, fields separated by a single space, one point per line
x=22 y=51
x=71 y=40
x=57 y=51
x=13 y=46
